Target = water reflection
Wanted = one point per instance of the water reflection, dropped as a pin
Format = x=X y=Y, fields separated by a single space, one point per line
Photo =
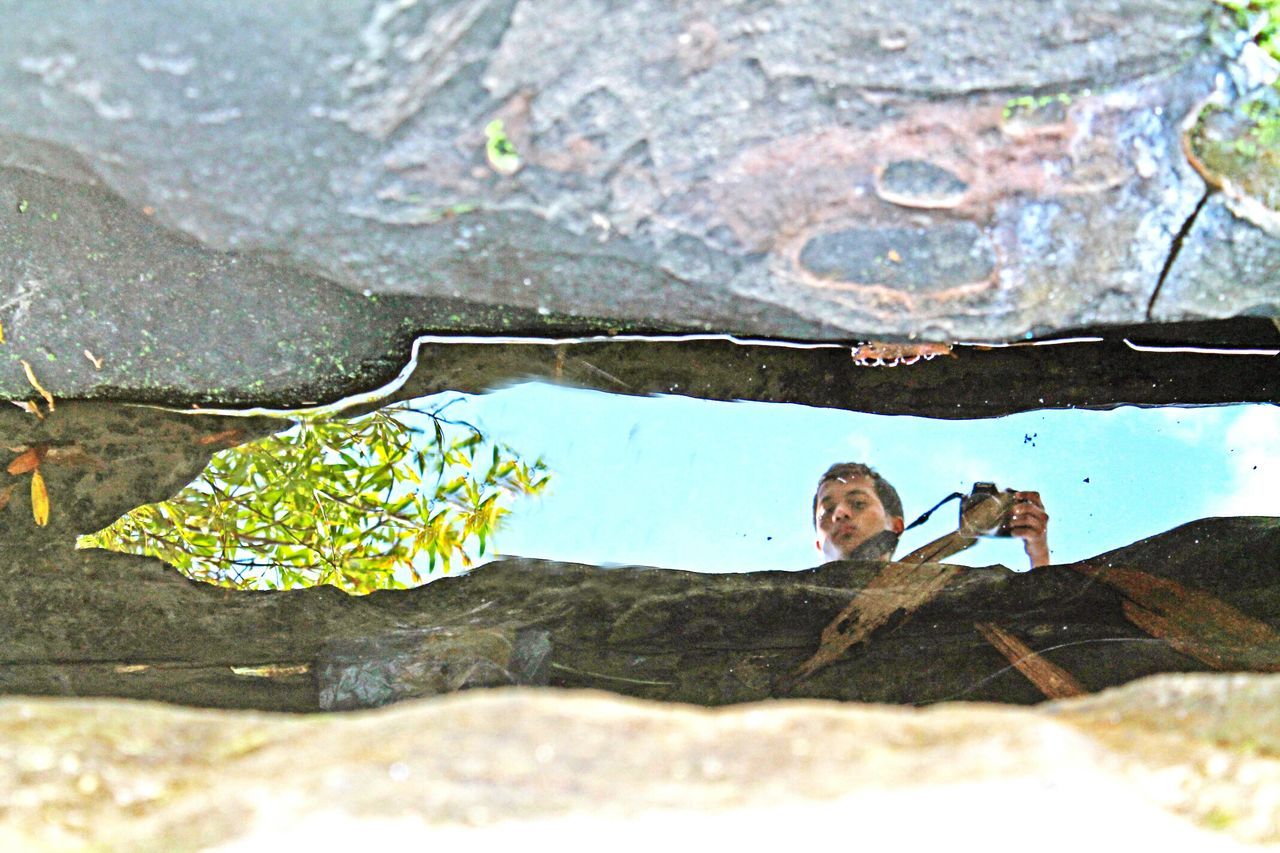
x=369 y=503
x=679 y=483
x=707 y=486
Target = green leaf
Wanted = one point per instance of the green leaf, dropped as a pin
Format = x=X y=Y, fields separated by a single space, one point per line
x=499 y=151
x=328 y=502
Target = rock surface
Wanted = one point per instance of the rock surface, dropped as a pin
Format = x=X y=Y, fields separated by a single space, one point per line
x=210 y=208
x=202 y=202
x=1221 y=247
x=1174 y=761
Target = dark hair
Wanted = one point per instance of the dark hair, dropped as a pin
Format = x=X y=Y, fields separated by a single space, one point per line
x=887 y=494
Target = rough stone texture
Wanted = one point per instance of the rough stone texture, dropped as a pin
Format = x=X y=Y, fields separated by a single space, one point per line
x=1219 y=247
x=171 y=323
x=172 y=319
x=676 y=163
x=1171 y=762
x=935 y=258
x=918 y=183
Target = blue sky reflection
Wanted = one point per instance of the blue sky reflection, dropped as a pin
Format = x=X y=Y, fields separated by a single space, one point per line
x=692 y=484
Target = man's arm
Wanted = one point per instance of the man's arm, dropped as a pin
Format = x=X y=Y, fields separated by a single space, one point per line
x=1029 y=522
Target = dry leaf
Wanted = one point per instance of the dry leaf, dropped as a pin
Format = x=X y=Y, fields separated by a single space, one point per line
x=1192 y=621
x=227 y=436
x=1052 y=680
x=272 y=670
x=39 y=499
x=881 y=354
x=894 y=256
x=31 y=377
x=28 y=406
x=28 y=461
x=71 y=455
x=1 y=333
x=6 y=493
x=898 y=589
x=97 y=362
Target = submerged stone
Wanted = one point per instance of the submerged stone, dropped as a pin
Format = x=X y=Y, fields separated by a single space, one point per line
x=917 y=183
x=919 y=260
x=367 y=672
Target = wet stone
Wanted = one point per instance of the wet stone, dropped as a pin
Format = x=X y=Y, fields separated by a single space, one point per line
x=921 y=259
x=372 y=671
x=916 y=183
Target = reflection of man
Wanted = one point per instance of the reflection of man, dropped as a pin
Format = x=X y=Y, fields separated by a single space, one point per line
x=857 y=515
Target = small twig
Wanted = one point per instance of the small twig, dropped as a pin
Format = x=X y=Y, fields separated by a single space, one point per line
x=611 y=677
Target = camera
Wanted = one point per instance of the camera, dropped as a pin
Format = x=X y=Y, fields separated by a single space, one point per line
x=985 y=511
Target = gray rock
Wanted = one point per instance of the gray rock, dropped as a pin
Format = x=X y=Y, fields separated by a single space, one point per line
x=673 y=166
x=367 y=672
x=1221 y=247
x=917 y=183
x=914 y=260
x=158 y=311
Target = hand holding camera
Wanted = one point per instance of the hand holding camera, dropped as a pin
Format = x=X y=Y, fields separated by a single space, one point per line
x=988 y=511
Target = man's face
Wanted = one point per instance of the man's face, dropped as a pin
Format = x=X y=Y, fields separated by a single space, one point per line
x=848 y=514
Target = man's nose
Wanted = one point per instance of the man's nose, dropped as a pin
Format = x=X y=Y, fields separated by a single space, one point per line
x=842 y=513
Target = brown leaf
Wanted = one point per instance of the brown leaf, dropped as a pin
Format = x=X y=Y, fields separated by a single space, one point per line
x=31 y=377
x=899 y=588
x=272 y=670
x=39 y=499
x=29 y=407
x=1193 y=621
x=6 y=494
x=1052 y=680
x=228 y=437
x=71 y=455
x=904 y=585
x=881 y=354
x=97 y=362
x=28 y=461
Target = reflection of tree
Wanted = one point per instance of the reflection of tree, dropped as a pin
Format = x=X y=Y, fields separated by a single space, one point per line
x=343 y=502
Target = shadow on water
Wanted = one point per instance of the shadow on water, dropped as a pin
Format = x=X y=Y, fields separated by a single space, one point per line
x=1162 y=531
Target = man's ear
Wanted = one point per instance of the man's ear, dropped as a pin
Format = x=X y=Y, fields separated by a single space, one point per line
x=817 y=543
x=896 y=523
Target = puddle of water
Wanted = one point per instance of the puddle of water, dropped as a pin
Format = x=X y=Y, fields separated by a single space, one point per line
x=545 y=471
x=372 y=502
